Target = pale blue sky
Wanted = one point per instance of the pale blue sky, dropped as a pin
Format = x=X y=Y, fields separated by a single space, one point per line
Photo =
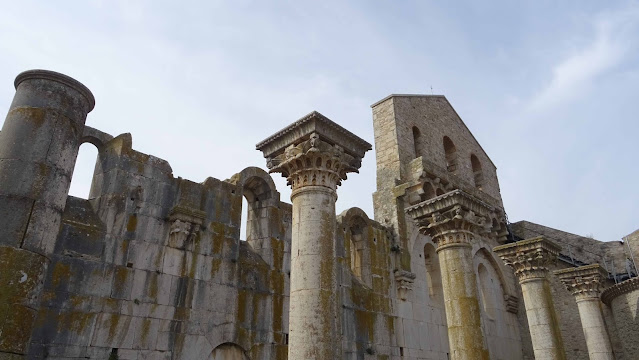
x=548 y=88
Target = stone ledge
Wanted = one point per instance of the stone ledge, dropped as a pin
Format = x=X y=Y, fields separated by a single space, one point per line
x=617 y=290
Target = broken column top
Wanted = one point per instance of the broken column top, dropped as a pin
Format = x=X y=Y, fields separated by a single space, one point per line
x=302 y=129
x=38 y=74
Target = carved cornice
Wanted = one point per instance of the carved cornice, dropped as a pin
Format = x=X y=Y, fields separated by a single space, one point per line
x=584 y=282
x=530 y=259
x=452 y=218
x=304 y=127
x=617 y=290
x=404 y=281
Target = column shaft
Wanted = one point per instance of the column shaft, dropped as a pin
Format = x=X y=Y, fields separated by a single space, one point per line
x=592 y=322
x=461 y=302
x=312 y=318
x=39 y=143
x=542 y=319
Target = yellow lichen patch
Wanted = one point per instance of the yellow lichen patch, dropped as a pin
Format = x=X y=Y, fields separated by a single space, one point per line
x=132 y=224
x=61 y=274
x=146 y=326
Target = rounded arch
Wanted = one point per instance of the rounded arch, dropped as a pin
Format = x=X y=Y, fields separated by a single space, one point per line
x=256 y=184
x=429 y=191
x=417 y=142
x=488 y=255
x=478 y=175
x=84 y=170
x=433 y=275
x=229 y=351
x=450 y=151
x=355 y=223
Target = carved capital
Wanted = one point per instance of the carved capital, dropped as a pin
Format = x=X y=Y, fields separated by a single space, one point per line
x=530 y=259
x=185 y=225
x=314 y=151
x=452 y=219
x=584 y=282
x=404 y=281
x=314 y=162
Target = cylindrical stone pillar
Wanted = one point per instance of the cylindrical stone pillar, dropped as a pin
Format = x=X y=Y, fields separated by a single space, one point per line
x=314 y=154
x=584 y=283
x=453 y=220
x=530 y=259
x=463 y=315
x=39 y=144
x=312 y=324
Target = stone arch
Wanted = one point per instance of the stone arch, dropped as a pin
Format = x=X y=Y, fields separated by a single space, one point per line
x=490 y=258
x=433 y=275
x=418 y=146
x=355 y=224
x=429 y=191
x=229 y=351
x=450 y=151
x=478 y=175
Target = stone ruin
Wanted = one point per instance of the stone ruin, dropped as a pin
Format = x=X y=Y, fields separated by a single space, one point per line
x=151 y=266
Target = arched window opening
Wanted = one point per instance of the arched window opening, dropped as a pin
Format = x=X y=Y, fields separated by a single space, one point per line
x=433 y=275
x=357 y=250
x=84 y=171
x=429 y=191
x=439 y=191
x=256 y=191
x=360 y=263
x=478 y=175
x=417 y=142
x=451 y=154
x=244 y=222
x=228 y=351
x=486 y=293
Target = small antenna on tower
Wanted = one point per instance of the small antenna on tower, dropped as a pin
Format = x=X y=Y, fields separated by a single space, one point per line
x=431 y=90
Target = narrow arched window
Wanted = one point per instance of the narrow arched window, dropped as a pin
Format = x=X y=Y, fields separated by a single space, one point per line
x=83 y=171
x=478 y=175
x=433 y=276
x=429 y=191
x=487 y=291
x=451 y=154
x=417 y=142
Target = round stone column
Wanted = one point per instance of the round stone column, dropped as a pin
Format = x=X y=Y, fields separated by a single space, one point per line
x=453 y=220
x=314 y=154
x=530 y=260
x=39 y=143
x=584 y=283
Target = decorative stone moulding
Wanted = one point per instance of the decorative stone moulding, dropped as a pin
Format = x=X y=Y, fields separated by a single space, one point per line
x=529 y=258
x=314 y=151
x=512 y=303
x=619 y=289
x=185 y=225
x=584 y=282
x=452 y=218
x=404 y=281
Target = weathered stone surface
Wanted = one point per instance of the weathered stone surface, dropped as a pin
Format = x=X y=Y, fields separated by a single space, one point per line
x=151 y=266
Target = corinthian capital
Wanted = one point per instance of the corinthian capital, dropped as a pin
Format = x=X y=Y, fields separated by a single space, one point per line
x=452 y=218
x=584 y=282
x=314 y=151
x=529 y=258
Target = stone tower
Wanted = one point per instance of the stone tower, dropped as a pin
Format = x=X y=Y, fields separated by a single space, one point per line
x=39 y=143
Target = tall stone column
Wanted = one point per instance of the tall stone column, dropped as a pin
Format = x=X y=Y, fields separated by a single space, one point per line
x=530 y=260
x=314 y=154
x=585 y=283
x=453 y=221
x=39 y=144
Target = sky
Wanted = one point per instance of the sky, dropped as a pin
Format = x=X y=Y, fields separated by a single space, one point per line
x=549 y=89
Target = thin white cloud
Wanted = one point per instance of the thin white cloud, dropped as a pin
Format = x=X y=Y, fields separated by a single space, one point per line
x=614 y=37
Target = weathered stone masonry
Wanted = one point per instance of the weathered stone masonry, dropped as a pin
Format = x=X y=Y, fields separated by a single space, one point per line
x=151 y=266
